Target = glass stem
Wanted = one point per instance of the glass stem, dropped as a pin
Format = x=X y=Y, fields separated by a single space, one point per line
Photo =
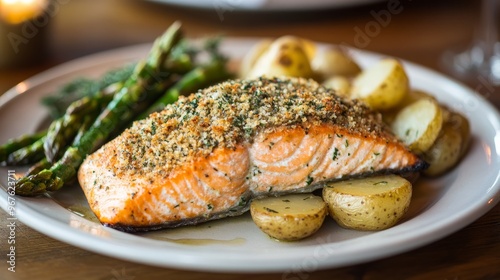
x=488 y=28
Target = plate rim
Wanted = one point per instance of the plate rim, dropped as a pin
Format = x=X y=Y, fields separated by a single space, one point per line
x=221 y=6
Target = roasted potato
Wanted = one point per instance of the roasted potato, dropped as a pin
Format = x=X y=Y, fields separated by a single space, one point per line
x=333 y=62
x=449 y=146
x=419 y=124
x=381 y=86
x=308 y=46
x=445 y=151
x=461 y=123
x=340 y=84
x=286 y=56
x=252 y=56
x=373 y=203
x=409 y=98
x=291 y=217
x=413 y=96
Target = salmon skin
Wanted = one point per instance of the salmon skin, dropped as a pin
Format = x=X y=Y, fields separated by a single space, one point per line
x=208 y=155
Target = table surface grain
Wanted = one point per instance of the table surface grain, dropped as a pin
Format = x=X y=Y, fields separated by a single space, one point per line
x=420 y=32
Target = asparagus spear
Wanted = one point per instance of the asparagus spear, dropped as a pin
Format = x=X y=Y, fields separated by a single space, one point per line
x=144 y=80
x=58 y=102
x=44 y=163
x=30 y=148
x=84 y=127
x=62 y=131
x=29 y=154
x=37 y=167
x=197 y=78
x=18 y=143
x=25 y=150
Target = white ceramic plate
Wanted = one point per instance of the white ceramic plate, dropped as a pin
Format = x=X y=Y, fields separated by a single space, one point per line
x=265 y=5
x=439 y=208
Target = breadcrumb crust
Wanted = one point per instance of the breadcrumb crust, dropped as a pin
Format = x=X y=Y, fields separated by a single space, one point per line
x=232 y=113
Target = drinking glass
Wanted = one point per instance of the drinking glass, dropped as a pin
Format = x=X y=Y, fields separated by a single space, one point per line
x=482 y=58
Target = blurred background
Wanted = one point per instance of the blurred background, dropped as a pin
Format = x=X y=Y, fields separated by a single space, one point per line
x=419 y=31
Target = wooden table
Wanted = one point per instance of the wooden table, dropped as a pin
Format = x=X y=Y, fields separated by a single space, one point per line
x=420 y=32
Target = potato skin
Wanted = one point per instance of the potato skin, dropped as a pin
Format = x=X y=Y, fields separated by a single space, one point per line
x=461 y=123
x=409 y=98
x=381 y=86
x=340 y=84
x=419 y=124
x=293 y=225
x=252 y=56
x=369 y=209
x=444 y=153
x=450 y=145
x=286 y=56
x=333 y=62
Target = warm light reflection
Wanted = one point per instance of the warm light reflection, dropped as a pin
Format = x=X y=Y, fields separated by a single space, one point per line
x=487 y=151
x=17 y=11
x=497 y=141
x=89 y=227
x=22 y=87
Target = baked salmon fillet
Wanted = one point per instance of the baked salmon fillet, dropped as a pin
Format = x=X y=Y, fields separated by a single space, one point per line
x=206 y=156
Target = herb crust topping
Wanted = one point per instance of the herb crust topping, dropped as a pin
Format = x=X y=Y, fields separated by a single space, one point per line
x=232 y=113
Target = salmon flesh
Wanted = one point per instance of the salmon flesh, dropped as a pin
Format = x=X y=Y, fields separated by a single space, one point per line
x=208 y=155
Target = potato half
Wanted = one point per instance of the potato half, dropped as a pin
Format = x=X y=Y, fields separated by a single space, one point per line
x=381 y=86
x=449 y=146
x=340 y=84
x=444 y=153
x=289 y=218
x=373 y=203
x=419 y=124
x=334 y=61
x=409 y=98
x=461 y=123
x=286 y=56
x=252 y=56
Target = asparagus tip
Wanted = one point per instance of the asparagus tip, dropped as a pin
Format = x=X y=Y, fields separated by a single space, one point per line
x=37 y=184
